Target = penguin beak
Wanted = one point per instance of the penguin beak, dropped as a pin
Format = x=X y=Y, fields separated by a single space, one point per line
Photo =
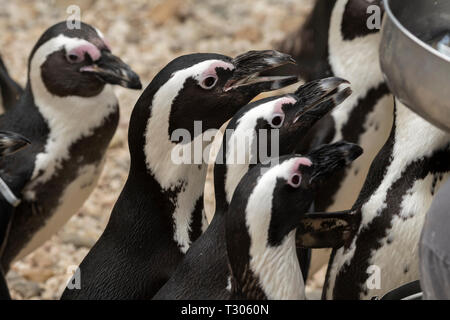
x=317 y=98
x=266 y=70
x=11 y=142
x=327 y=230
x=328 y=159
x=113 y=70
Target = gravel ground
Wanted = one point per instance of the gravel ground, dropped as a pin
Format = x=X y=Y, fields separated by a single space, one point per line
x=147 y=35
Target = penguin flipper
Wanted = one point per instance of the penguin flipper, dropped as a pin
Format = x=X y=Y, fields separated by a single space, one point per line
x=327 y=230
x=10 y=90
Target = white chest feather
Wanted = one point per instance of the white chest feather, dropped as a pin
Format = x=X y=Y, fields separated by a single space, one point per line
x=72 y=198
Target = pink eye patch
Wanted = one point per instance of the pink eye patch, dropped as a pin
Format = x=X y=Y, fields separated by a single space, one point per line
x=212 y=68
x=281 y=102
x=300 y=162
x=80 y=51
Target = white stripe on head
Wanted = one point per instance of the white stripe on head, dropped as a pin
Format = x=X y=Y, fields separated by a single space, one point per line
x=158 y=150
x=277 y=268
x=241 y=140
x=99 y=33
x=158 y=145
x=102 y=36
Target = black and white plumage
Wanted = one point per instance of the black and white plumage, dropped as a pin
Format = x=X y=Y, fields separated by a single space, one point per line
x=69 y=112
x=336 y=41
x=203 y=273
x=9 y=143
x=398 y=191
x=160 y=210
x=402 y=179
x=265 y=211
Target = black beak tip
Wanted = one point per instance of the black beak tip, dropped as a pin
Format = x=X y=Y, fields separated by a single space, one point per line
x=135 y=84
x=132 y=80
x=353 y=152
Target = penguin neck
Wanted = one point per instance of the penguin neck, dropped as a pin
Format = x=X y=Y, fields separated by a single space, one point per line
x=255 y=263
x=349 y=59
x=71 y=117
x=177 y=188
x=410 y=130
x=411 y=138
x=230 y=167
x=276 y=269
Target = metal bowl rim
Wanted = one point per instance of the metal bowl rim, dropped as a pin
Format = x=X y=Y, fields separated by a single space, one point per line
x=410 y=35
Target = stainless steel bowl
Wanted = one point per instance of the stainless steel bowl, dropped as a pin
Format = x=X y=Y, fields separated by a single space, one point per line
x=417 y=73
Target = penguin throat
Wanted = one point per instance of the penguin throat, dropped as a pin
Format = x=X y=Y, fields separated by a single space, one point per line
x=350 y=60
x=183 y=182
x=277 y=270
x=182 y=186
x=68 y=119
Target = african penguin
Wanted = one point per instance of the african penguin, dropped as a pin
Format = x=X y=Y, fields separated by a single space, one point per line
x=336 y=40
x=203 y=273
x=9 y=143
x=160 y=210
x=10 y=90
x=395 y=198
x=69 y=112
x=261 y=222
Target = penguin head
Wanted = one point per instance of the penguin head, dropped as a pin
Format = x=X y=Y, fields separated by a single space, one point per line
x=198 y=92
x=273 y=199
x=266 y=209
x=77 y=62
x=292 y=115
x=273 y=127
x=11 y=142
x=212 y=87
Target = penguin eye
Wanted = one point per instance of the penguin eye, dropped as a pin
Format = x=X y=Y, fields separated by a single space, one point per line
x=295 y=180
x=277 y=120
x=74 y=58
x=208 y=82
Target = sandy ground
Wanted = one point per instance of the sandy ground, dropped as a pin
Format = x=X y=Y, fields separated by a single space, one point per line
x=147 y=35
